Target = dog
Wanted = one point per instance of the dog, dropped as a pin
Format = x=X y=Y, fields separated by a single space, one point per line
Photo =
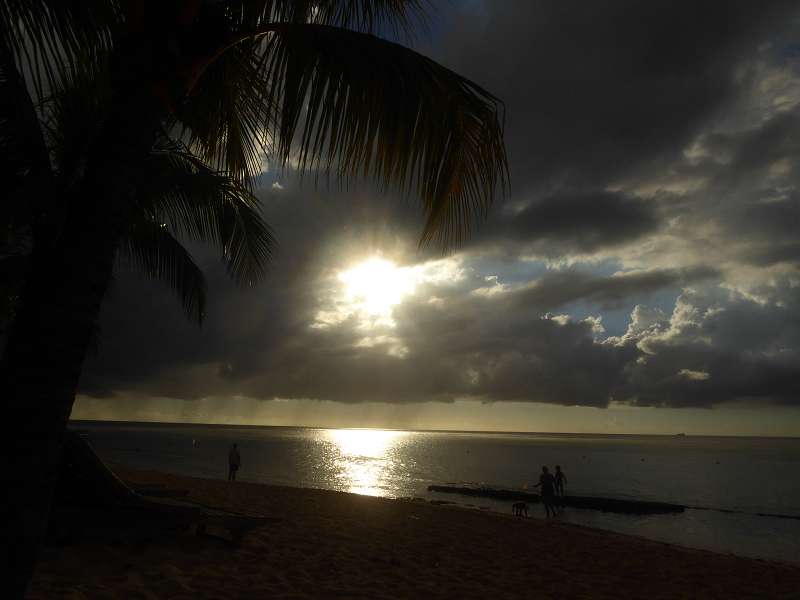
x=519 y=509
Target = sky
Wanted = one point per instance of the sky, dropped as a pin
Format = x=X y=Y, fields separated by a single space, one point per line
x=640 y=277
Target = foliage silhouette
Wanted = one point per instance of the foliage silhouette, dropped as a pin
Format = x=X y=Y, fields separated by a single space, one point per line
x=184 y=98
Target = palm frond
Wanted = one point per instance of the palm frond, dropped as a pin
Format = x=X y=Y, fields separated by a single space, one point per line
x=26 y=164
x=397 y=17
x=374 y=108
x=369 y=16
x=72 y=118
x=229 y=109
x=199 y=203
x=151 y=248
x=52 y=38
x=21 y=139
x=225 y=117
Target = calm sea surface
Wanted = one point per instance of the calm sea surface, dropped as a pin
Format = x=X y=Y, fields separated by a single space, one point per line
x=730 y=480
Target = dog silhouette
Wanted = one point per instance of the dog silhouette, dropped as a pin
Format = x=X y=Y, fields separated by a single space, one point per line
x=519 y=509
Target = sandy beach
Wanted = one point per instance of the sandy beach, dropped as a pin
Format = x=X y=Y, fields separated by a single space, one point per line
x=335 y=545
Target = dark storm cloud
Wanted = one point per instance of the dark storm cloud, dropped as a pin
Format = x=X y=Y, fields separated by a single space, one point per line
x=467 y=348
x=754 y=149
x=571 y=223
x=593 y=89
x=596 y=94
x=711 y=351
x=563 y=287
x=460 y=352
x=765 y=164
x=773 y=254
x=144 y=334
x=496 y=347
x=748 y=193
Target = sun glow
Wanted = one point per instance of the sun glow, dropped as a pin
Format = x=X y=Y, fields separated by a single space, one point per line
x=376 y=285
x=367 y=294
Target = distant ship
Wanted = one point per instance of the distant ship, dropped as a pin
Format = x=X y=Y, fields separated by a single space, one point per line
x=680 y=435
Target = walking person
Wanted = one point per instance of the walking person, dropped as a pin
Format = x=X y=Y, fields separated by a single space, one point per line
x=547 y=483
x=234 y=461
x=561 y=479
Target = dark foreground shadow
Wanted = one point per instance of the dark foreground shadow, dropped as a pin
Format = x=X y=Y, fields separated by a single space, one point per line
x=91 y=502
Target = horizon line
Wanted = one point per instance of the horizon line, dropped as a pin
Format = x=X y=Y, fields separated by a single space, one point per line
x=479 y=431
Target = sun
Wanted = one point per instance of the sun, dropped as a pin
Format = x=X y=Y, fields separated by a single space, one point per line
x=376 y=285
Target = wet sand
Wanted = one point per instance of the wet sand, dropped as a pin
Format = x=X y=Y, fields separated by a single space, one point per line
x=336 y=545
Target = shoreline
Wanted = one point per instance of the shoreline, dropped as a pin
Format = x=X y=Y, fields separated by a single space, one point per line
x=329 y=543
x=472 y=502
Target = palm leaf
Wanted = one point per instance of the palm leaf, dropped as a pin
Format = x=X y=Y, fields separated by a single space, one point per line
x=229 y=108
x=151 y=248
x=225 y=117
x=25 y=167
x=374 y=108
x=398 y=17
x=53 y=38
x=199 y=203
x=73 y=117
x=370 y=16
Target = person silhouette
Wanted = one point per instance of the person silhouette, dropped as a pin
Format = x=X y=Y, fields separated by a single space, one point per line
x=561 y=479
x=547 y=483
x=234 y=461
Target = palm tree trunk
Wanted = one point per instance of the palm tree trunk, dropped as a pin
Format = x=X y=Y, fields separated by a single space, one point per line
x=61 y=301
x=58 y=310
x=39 y=377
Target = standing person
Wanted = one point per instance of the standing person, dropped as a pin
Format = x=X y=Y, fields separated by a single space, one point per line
x=234 y=460
x=561 y=479
x=547 y=483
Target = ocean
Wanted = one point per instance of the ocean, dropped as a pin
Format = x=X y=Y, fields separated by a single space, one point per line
x=733 y=484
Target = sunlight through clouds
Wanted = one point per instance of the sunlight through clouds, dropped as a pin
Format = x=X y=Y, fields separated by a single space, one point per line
x=376 y=285
x=370 y=290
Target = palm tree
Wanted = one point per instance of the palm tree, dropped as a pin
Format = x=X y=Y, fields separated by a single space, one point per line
x=180 y=198
x=183 y=199
x=300 y=81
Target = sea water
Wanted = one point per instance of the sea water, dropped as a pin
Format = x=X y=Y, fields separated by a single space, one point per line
x=732 y=483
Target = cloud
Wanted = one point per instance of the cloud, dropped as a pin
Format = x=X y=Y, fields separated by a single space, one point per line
x=716 y=348
x=570 y=223
x=562 y=287
x=597 y=90
x=653 y=150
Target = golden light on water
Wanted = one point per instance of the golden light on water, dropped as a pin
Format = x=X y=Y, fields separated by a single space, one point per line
x=365 y=458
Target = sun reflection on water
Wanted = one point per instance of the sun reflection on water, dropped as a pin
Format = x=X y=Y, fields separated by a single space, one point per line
x=365 y=458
